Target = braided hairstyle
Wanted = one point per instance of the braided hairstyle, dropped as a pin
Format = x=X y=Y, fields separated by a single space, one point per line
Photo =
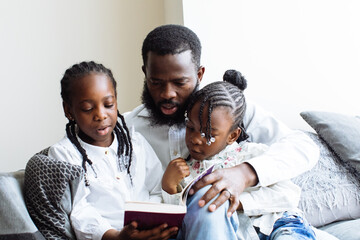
x=172 y=39
x=227 y=93
x=125 y=149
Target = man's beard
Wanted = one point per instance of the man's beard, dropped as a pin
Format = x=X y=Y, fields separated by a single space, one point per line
x=156 y=115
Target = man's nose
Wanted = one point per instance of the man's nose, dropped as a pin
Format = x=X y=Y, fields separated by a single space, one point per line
x=168 y=92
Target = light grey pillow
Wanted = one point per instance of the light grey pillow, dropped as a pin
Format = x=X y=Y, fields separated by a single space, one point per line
x=330 y=190
x=341 y=132
x=15 y=222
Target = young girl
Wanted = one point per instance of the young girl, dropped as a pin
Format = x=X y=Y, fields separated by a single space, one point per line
x=119 y=164
x=215 y=136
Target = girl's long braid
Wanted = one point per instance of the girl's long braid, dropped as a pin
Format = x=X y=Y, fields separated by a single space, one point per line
x=125 y=148
x=71 y=133
x=201 y=110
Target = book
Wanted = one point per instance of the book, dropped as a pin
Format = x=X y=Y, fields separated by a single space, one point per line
x=149 y=215
x=186 y=189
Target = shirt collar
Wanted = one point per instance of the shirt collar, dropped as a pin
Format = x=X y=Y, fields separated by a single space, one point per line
x=113 y=147
x=144 y=112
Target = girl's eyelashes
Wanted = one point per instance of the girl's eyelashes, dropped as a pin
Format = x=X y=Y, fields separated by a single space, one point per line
x=109 y=105
x=86 y=109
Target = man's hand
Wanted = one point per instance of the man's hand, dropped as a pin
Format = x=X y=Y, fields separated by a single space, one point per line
x=230 y=183
x=130 y=232
x=176 y=171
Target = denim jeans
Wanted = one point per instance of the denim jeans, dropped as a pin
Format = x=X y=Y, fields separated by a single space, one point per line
x=199 y=223
x=290 y=227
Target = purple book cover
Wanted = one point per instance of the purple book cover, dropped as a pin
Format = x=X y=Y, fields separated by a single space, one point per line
x=150 y=215
x=149 y=220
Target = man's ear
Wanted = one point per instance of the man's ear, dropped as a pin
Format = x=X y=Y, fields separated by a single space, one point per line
x=67 y=111
x=233 y=136
x=200 y=73
x=143 y=68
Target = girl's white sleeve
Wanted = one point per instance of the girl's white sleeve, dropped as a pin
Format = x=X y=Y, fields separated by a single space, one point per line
x=172 y=198
x=154 y=170
x=86 y=222
x=260 y=200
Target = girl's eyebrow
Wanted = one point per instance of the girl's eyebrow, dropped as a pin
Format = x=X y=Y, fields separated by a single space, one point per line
x=109 y=96
x=104 y=98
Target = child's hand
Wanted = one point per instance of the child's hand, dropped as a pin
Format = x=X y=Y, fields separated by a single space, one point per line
x=130 y=232
x=176 y=171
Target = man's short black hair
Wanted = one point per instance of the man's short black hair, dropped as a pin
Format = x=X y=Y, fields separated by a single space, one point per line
x=172 y=39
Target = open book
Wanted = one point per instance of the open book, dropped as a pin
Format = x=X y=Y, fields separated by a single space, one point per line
x=185 y=191
x=149 y=215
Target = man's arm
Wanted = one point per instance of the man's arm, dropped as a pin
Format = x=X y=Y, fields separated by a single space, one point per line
x=290 y=153
x=279 y=197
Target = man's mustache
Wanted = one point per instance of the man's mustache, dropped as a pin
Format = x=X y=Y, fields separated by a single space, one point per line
x=168 y=102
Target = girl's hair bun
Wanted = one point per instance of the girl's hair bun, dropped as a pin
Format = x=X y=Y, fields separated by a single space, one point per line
x=234 y=77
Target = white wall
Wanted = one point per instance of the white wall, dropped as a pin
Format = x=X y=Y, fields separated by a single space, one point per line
x=296 y=55
x=40 y=39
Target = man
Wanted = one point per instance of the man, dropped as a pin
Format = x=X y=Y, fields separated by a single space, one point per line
x=171 y=64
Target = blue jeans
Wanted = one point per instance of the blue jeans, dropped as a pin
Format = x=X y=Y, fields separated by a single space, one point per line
x=290 y=227
x=199 y=223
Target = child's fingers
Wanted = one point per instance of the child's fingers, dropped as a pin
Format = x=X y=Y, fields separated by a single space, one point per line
x=180 y=167
x=133 y=225
x=178 y=162
x=129 y=230
x=158 y=233
x=166 y=234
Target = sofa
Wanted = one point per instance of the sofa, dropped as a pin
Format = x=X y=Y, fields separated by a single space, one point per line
x=330 y=196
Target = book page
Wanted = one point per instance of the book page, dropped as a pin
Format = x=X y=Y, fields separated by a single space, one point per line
x=188 y=187
x=153 y=207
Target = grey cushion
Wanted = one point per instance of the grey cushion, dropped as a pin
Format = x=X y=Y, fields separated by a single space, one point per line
x=341 y=132
x=331 y=190
x=50 y=185
x=344 y=230
x=15 y=222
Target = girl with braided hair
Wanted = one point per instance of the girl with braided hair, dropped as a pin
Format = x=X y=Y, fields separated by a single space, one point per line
x=215 y=136
x=118 y=163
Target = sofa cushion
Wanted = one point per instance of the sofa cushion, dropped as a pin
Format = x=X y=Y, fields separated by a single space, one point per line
x=50 y=185
x=344 y=230
x=331 y=190
x=15 y=222
x=341 y=132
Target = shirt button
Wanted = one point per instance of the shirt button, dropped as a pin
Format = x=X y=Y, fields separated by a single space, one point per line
x=175 y=153
x=106 y=152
